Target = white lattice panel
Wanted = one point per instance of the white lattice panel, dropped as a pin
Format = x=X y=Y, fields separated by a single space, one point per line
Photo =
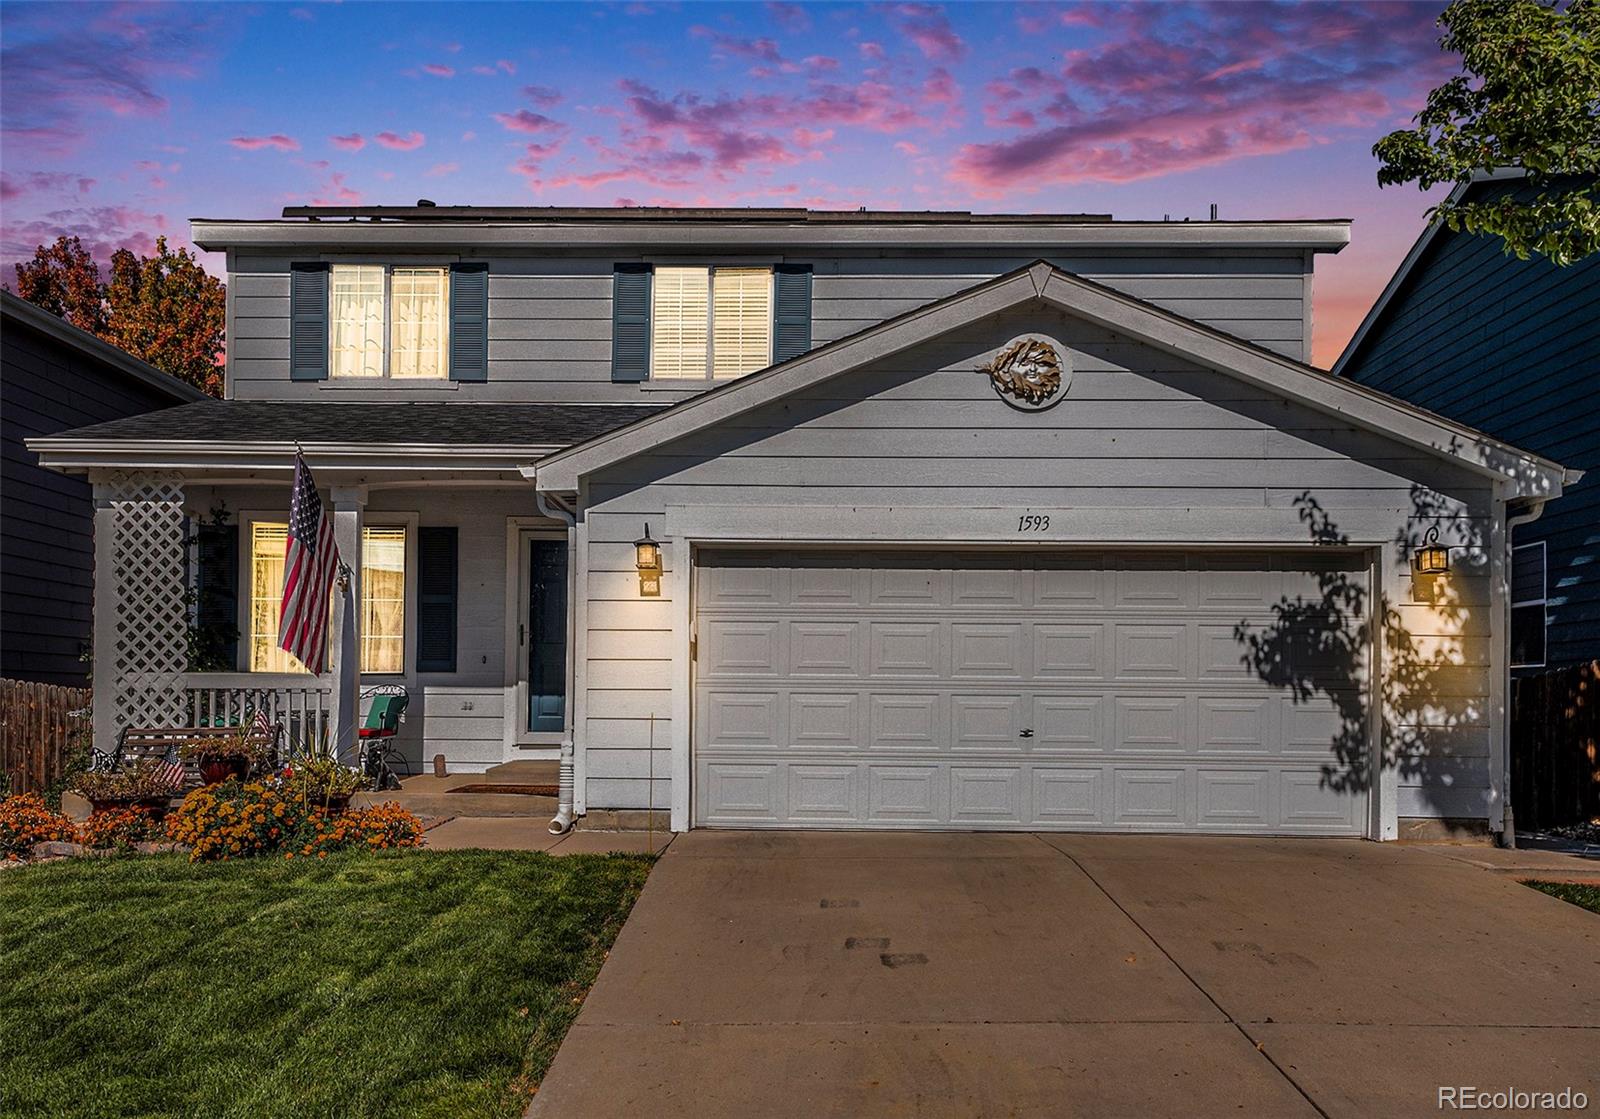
x=150 y=647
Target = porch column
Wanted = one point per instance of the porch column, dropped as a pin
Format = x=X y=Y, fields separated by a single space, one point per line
x=140 y=614
x=349 y=504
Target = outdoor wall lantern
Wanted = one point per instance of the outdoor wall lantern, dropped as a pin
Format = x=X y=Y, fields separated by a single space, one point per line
x=1432 y=558
x=647 y=558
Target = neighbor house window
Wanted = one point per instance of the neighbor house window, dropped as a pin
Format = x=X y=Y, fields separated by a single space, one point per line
x=383 y=595
x=710 y=322
x=388 y=321
x=1528 y=605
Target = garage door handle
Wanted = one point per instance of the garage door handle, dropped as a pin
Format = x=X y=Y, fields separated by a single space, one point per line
x=1026 y=733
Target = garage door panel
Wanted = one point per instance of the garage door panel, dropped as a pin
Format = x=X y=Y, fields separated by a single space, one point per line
x=906 y=722
x=907 y=794
x=986 y=795
x=825 y=648
x=987 y=722
x=906 y=649
x=1069 y=651
x=1146 y=651
x=1072 y=690
x=1068 y=723
x=1152 y=723
x=987 y=649
x=825 y=720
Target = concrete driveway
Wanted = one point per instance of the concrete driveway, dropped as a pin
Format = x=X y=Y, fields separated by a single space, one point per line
x=832 y=974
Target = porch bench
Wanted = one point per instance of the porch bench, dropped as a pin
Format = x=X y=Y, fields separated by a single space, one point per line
x=137 y=743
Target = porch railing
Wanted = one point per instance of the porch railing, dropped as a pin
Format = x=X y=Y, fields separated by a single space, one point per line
x=302 y=705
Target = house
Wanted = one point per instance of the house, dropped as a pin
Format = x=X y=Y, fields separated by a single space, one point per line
x=783 y=518
x=54 y=377
x=1511 y=347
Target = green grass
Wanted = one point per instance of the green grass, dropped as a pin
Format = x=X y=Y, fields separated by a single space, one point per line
x=1586 y=896
x=397 y=984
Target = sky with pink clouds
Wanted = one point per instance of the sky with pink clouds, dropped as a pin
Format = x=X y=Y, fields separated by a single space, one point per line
x=123 y=121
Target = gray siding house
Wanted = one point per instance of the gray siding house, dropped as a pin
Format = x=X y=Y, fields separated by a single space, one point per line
x=54 y=377
x=1511 y=347
x=845 y=520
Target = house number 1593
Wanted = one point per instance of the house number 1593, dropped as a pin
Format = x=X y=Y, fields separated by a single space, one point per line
x=1033 y=522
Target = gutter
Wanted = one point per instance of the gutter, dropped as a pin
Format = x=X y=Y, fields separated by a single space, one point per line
x=562 y=823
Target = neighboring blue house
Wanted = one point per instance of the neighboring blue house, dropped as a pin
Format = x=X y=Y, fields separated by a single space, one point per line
x=1511 y=347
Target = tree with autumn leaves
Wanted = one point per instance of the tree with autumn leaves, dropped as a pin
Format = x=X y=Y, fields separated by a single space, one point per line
x=164 y=309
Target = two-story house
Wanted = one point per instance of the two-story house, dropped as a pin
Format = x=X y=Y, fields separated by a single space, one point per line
x=777 y=518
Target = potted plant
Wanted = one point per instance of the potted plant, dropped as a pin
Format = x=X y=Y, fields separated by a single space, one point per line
x=319 y=780
x=222 y=756
x=147 y=785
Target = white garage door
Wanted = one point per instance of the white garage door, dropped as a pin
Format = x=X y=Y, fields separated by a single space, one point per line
x=971 y=690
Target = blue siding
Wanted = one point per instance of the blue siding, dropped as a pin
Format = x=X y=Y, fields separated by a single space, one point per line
x=1511 y=347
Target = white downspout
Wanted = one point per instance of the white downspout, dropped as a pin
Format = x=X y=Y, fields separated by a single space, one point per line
x=1508 y=825
x=563 y=818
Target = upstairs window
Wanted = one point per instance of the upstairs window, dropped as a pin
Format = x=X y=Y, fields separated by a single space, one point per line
x=388 y=321
x=710 y=323
x=1528 y=605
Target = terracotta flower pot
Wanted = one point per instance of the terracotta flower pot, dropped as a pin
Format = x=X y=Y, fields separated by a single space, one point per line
x=215 y=770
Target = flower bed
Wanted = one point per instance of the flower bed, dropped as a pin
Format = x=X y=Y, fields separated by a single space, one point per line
x=25 y=820
x=234 y=820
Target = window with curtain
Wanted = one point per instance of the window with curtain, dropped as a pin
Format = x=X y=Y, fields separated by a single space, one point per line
x=419 y=334
x=355 y=320
x=388 y=322
x=383 y=598
x=710 y=322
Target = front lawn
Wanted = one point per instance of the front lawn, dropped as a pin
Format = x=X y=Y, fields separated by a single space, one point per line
x=396 y=984
x=1586 y=896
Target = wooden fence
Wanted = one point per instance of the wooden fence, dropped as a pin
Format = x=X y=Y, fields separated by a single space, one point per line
x=1555 y=747
x=41 y=726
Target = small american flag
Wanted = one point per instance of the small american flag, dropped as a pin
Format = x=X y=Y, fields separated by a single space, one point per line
x=311 y=560
x=260 y=726
x=172 y=773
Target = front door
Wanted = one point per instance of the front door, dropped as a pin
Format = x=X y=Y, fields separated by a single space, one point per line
x=546 y=644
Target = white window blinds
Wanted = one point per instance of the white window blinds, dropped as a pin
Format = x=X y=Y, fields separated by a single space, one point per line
x=742 y=321
x=680 y=309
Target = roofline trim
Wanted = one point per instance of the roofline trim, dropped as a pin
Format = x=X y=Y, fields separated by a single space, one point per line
x=1354 y=403
x=69 y=455
x=62 y=331
x=1327 y=235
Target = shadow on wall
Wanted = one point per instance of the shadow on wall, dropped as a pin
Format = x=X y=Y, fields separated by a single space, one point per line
x=1430 y=695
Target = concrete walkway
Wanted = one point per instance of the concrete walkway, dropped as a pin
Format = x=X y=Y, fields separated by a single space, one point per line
x=835 y=974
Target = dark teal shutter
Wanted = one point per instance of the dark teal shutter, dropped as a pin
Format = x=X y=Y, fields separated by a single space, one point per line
x=308 y=321
x=791 y=311
x=215 y=645
x=630 y=322
x=469 y=322
x=436 y=600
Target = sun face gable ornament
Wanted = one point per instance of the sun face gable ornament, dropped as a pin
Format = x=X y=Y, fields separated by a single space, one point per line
x=1029 y=375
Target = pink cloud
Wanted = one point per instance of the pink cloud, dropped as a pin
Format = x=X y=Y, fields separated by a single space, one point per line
x=453 y=48
x=103 y=229
x=410 y=142
x=277 y=140
x=351 y=143
x=526 y=120
x=54 y=182
x=926 y=26
x=819 y=62
x=1151 y=99
x=906 y=147
x=438 y=70
x=872 y=52
x=439 y=169
x=334 y=192
x=541 y=95
x=793 y=18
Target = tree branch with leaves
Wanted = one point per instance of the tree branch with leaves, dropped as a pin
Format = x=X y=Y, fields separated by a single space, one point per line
x=1528 y=99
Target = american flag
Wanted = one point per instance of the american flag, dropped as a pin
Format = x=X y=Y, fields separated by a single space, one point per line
x=311 y=559
x=171 y=773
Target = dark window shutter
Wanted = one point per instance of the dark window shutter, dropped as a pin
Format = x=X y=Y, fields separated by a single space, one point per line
x=308 y=321
x=469 y=322
x=630 y=322
x=791 y=311
x=436 y=599
x=216 y=591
